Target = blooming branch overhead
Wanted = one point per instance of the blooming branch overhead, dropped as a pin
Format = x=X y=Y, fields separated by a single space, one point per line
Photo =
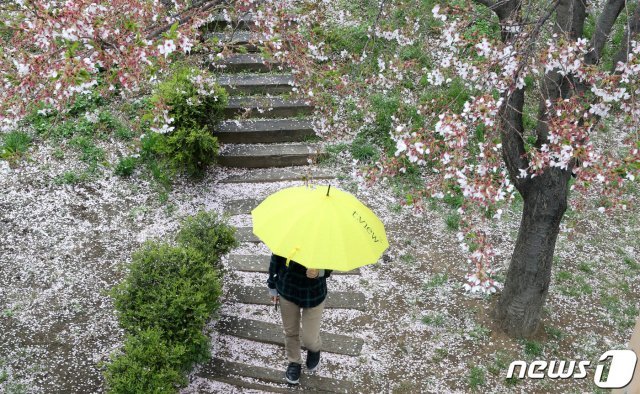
x=52 y=51
x=463 y=149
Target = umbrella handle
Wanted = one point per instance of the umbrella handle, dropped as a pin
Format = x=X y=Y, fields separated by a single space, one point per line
x=291 y=254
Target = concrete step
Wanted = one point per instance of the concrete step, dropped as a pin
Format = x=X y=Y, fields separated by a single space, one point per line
x=252 y=376
x=257 y=83
x=335 y=299
x=266 y=107
x=255 y=131
x=264 y=156
x=264 y=332
x=266 y=175
x=240 y=38
x=241 y=207
x=244 y=62
x=260 y=263
x=245 y=234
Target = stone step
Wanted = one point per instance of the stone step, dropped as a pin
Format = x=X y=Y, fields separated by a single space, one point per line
x=244 y=62
x=257 y=83
x=239 y=38
x=266 y=107
x=239 y=381
x=265 y=156
x=264 y=332
x=241 y=207
x=264 y=131
x=260 y=263
x=266 y=175
x=232 y=373
x=245 y=234
x=335 y=299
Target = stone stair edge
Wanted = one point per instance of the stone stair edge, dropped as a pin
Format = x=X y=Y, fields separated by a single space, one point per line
x=218 y=367
x=278 y=174
x=271 y=333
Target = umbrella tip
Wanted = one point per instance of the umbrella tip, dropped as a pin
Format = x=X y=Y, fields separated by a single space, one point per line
x=328 y=190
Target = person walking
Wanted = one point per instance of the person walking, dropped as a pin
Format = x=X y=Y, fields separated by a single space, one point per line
x=301 y=293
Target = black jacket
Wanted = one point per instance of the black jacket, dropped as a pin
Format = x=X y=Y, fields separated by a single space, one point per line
x=293 y=285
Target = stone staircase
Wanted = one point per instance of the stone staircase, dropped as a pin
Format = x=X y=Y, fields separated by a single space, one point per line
x=265 y=126
x=270 y=133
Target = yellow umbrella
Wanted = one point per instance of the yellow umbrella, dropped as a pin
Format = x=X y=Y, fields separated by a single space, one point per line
x=322 y=228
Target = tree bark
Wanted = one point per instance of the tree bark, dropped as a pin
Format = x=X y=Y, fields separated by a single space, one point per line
x=527 y=284
x=519 y=309
x=605 y=23
x=570 y=16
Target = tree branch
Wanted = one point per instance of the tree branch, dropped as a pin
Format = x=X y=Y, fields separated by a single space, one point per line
x=511 y=125
x=570 y=16
x=606 y=20
x=511 y=130
x=632 y=30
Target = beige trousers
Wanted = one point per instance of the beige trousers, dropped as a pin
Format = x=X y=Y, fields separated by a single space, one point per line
x=291 y=320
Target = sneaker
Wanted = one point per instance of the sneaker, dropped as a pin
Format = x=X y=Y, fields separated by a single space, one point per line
x=313 y=359
x=293 y=373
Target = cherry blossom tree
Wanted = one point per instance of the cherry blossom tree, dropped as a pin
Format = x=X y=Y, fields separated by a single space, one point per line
x=51 y=51
x=489 y=153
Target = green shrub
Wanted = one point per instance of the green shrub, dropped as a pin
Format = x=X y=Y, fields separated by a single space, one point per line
x=194 y=106
x=15 y=145
x=172 y=288
x=208 y=234
x=188 y=107
x=163 y=305
x=147 y=364
x=190 y=149
x=125 y=166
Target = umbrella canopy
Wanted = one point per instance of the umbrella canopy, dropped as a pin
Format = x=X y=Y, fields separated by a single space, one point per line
x=321 y=227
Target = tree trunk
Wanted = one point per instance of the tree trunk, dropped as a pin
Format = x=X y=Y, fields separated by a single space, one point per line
x=527 y=284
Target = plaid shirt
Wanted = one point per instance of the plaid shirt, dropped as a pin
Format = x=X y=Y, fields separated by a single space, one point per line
x=293 y=285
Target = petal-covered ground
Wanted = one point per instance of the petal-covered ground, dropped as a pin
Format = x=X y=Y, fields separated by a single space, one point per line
x=64 y=246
